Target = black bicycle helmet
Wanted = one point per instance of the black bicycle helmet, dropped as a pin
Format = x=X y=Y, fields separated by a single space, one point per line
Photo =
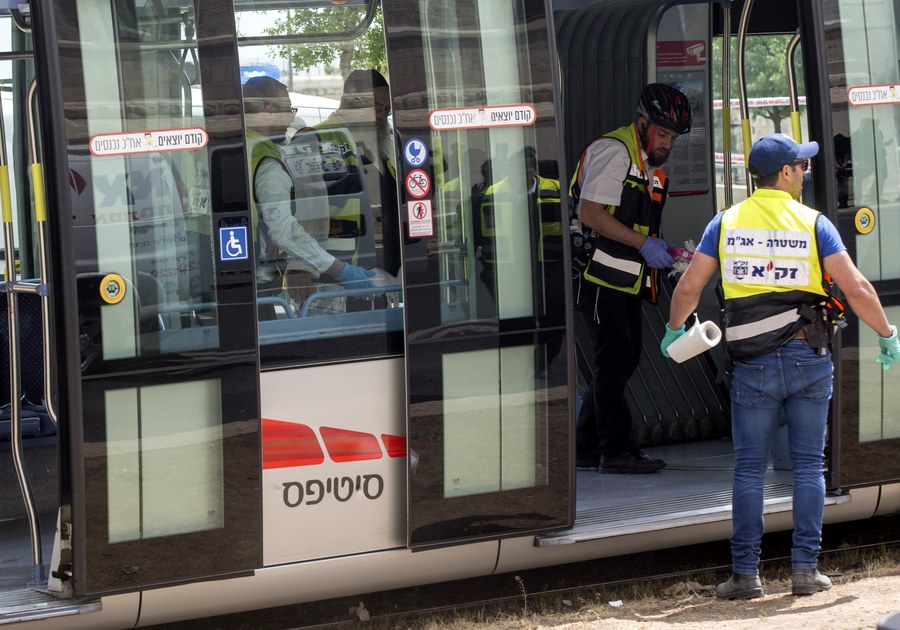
x=665 y=106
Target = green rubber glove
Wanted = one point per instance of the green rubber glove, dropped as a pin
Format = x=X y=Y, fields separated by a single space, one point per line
x=890 y=349
x=672 y=335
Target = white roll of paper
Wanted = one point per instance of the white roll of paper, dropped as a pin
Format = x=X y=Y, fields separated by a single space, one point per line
x=700 y=338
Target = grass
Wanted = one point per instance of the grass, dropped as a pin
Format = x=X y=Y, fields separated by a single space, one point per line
x=530 y=610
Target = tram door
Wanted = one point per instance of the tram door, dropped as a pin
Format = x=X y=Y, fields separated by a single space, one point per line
x=152 y=290
x=860 y=43
x=484 y=281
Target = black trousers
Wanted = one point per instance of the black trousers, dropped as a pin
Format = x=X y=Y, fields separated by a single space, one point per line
x=611 y=321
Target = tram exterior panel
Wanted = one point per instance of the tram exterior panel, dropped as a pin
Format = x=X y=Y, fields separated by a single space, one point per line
x=226 y=443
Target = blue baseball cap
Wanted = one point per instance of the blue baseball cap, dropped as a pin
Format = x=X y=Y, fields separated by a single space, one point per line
x=772 y=152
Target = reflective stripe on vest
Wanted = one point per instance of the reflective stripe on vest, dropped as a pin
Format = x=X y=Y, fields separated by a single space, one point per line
x=762 y=326
x=616 y=265
x=770 y=266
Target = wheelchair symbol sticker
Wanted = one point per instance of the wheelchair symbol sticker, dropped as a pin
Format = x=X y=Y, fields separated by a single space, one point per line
x=233 y=243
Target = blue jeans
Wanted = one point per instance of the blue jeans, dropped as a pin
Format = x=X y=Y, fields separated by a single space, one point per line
x=791 y=384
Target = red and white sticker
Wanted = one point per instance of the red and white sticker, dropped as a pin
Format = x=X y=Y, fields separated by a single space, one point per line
x=418 y=184
x=151 y=141
x=482 y=117
x=860 y=95
x=419 y=214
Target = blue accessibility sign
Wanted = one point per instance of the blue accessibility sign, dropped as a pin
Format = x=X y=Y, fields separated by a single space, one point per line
x=415 y=152
x=233 y=243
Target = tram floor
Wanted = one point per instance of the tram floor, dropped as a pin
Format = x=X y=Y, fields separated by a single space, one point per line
x=16 y=560
x=697 y=479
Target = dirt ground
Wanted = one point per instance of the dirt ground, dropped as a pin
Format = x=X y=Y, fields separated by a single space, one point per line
x=854 y=602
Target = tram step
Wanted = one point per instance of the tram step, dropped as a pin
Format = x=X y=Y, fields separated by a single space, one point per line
x=665 y=514
x=30 y=605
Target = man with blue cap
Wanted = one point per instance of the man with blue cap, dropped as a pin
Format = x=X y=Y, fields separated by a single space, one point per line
x=773 y=253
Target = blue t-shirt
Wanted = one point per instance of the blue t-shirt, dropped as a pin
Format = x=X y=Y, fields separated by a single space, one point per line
x=827 y=235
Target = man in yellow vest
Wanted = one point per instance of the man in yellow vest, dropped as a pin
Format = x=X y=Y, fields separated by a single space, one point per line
x=620 y=188
x=358 y=137
x=282 y=244
x=773 y=253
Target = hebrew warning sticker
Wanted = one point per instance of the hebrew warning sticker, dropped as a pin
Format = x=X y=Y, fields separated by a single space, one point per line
x=482 y=117
x=152 y=141
x=419 y=213
x=874 y=95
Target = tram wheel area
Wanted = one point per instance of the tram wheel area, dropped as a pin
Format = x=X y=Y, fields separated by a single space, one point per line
x=844 y=548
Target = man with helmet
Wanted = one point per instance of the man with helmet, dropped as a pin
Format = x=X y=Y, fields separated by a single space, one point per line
x=620 y=189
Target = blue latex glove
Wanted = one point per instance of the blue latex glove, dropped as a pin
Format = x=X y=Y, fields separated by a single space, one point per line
x=890 y=349
x=654 y=252
x=671 y=335
x=356 y=277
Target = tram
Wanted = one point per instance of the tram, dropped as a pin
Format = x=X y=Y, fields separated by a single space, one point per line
x=179 y=443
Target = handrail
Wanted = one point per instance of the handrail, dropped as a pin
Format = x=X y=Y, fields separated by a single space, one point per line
x=742 y=87
x=165 y=309
x=726 y=104
x=13 y=288
x=322 y=295
x=40 y=217
x=792 y=85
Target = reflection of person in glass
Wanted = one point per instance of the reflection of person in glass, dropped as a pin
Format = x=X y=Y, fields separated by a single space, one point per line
x=357 y=141
x=283 y=246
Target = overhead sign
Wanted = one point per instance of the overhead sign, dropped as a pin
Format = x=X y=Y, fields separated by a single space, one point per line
x=419 y=214
x=151 y=141
x=681 y=53
x=415 y=152
x=418 y=183
x=860 y=95
x=482 y=117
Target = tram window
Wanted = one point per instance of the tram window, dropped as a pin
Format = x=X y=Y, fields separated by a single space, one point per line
x=322 y=173
x=136 y=188
x=497 y=245
x=864 y=68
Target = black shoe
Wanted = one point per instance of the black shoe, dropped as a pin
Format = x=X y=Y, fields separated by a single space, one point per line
x=587 y=463
x=808 y=581
x=639 y=454
x=740 y=587
x=627 y=463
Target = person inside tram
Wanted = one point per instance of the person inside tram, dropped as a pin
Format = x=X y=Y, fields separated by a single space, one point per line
x=543 y=212
x=289 y=257
x=619 y=190
x=358 y=135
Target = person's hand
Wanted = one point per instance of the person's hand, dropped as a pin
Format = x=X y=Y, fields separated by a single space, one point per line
x=890 y=349
x=671 y=336
x=654 y=252
x=356 y=277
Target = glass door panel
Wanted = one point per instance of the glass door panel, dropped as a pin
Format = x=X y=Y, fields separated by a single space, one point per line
x=484 y=278
x=162 y=400
x=865 y=113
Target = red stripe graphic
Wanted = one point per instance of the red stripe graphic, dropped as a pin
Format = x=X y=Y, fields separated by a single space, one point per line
x=395 y=445
x=287 y=444
x=344 y=445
